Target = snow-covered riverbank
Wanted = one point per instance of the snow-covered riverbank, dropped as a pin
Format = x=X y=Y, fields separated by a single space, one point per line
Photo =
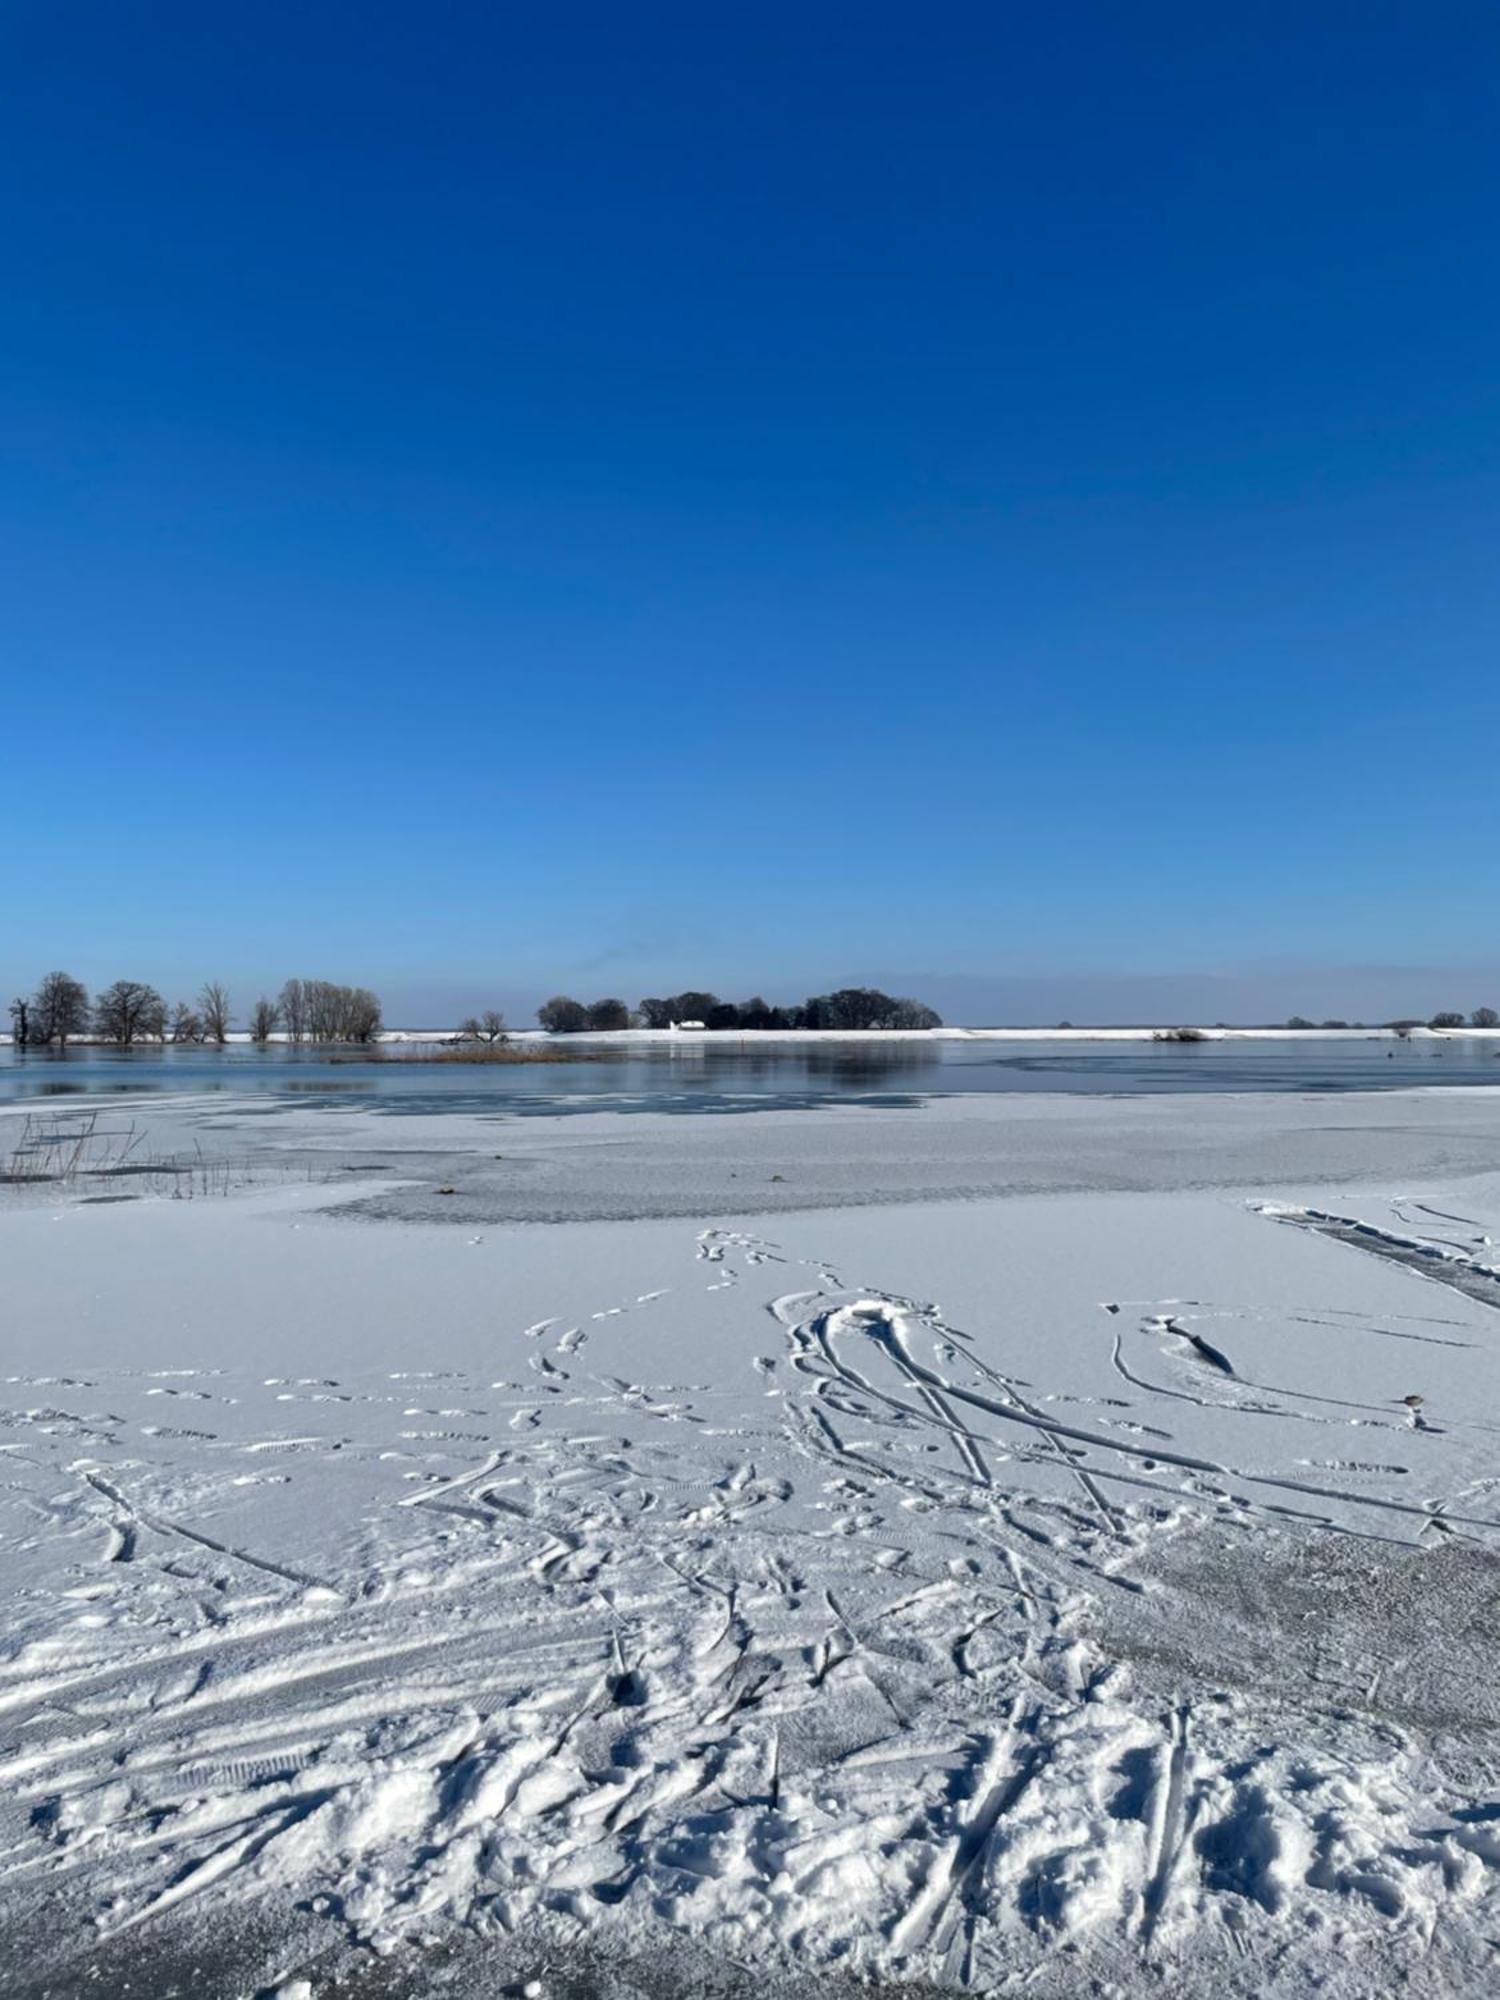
x=772 y=1038
x=1164 y=1031
x=1055 y=1587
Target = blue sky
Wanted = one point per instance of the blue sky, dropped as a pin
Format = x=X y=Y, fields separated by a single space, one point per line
x=496 y=499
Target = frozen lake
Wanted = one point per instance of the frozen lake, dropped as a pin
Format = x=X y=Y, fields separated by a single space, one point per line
x=986 y=1542
x=741 y=1076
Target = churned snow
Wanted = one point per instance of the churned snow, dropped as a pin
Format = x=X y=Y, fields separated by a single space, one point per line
x=1023 y=1589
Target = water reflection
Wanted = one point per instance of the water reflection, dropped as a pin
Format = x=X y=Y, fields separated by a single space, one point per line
x=744 y=1075
x=849 y=1065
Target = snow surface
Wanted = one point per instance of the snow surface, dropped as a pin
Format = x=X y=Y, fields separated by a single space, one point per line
x=1059 y=1591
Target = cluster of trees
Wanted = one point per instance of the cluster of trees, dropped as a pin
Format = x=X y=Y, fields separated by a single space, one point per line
x=310 y=1010
x=564 y=1016
x=60 y=1011
x=864 y=1007
x=316 y=1010
x=851 y=1008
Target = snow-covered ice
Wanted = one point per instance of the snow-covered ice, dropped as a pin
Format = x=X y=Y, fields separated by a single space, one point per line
x=1054 y=1591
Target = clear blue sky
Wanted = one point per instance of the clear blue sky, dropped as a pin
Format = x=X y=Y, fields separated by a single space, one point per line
x=495 y=498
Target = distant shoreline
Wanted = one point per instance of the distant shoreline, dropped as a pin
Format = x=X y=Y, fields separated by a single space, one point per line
x=770 y=1037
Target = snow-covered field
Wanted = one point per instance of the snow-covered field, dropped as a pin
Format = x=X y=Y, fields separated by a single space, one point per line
x=859 y=1574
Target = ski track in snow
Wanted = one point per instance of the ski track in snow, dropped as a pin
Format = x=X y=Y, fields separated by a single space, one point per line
x=802 y=1663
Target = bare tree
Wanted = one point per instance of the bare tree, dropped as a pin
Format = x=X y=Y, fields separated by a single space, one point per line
x=130 y=1012
x=293 y=1010
x=321 y=996
x=20 y=1023
x=213 y=1005
x=1484 y=1017
x=186 y=1025
x=264 y=1017
x=487 y=1027
x=327 y=1011
x=359 y=1015
x=59 y=1009
x=333 y=1013
x=317 y=1010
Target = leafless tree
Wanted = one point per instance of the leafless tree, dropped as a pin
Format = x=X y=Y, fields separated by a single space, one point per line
x=213 y=1005
x=186 y=1025
x=323 y=1010
x=293 y=1010
x=20 y=1021
x=317 y=1010
x=59 y=1009
x=264 y=1016
x=486 y=1027
x=360 y=1015
x=130 y=1012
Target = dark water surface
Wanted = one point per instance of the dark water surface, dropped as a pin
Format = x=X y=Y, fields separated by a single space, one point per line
x=741 y=1077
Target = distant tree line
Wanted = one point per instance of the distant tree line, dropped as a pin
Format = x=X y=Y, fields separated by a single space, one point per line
x=308 y=1010
x=1482 y=1017
x=852 y=1008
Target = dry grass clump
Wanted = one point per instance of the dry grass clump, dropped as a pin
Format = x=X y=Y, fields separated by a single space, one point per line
x=70 y=1151
x=498 y=1052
